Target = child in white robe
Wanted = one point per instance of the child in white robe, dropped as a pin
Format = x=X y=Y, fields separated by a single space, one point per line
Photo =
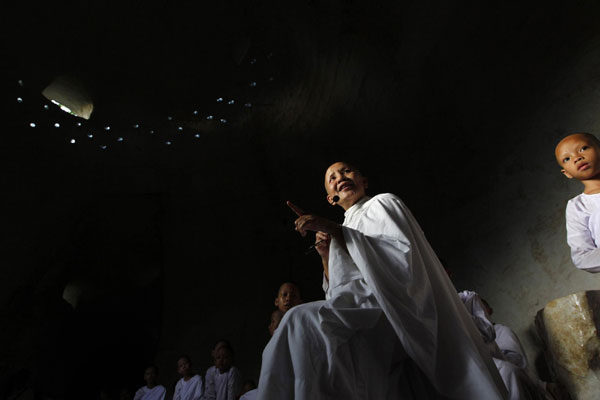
x=223 y=380
x=189 y=387
x=579 y=158
x=152 y=390
x=388 y=300
x=506 y=350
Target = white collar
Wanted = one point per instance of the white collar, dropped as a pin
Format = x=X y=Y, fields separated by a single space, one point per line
x=356 y=206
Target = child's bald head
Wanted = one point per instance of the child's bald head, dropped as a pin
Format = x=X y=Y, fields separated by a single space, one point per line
x=288 y=296
x=575 y=137
x=579 y=156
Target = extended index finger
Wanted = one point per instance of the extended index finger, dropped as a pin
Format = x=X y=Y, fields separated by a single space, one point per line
x=295 y=208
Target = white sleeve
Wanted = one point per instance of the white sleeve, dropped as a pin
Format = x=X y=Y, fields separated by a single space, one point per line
x=584 y=253
x=210 y=392
x=177 y=395
x=163 y=392
x=199 y=393
x=234 y=384
x=139 y=394
x=325 y=285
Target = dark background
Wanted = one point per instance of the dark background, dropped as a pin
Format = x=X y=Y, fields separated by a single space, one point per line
x=169 y=247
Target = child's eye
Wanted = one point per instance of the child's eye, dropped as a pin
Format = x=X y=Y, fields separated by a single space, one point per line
x=584 y=148
x=565 y=159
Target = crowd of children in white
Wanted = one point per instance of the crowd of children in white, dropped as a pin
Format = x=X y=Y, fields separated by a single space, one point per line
x=222 y=381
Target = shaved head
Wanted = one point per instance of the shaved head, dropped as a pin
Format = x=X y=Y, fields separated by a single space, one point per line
x=558 y=150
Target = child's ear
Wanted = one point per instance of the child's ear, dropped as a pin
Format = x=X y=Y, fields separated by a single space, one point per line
x=277 y=302
x=565 y=173
x=330 y=200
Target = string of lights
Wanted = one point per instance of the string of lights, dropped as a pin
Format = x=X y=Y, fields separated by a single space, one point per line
x=38 y=113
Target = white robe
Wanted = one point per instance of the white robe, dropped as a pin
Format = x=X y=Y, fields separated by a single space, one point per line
x=190 y=390
x=388 y=298
x=224 y=386
x=583 y=231
x=510 y=346
x=250 y=395
x=145 y=393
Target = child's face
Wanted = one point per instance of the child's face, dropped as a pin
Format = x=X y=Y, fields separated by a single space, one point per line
x=184 y=367
x=213 y=353
x=223 y=359
x=275 y=320
x=288 y=297
x=150 y=376
x=579 y=157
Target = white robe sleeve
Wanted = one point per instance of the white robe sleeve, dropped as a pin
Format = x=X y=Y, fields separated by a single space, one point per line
x=210 y=392
x=417 y=297
x=510 y=346
x=584 y=253
x=234 y=384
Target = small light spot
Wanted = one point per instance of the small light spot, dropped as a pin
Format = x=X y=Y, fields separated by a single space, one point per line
x=136 y=126
x=210 y=117
x=170 y=118
x=230 y=102
x=252 y=84
x=79 y=124
x=180 y=128
x=152 y=132
x=107 y=128
x=195 y=112
x=32 y=125
x=90 y=135
x=168 y=142
x=248 y=105
x=46 y=107
x=20 y=82
x=19 y=99
x=103 y=147
x=253 y=61
x=72 y=141
x=219 y=100
x=197 y=135
x=56 y=125
x=223 y=120
x=119 y=139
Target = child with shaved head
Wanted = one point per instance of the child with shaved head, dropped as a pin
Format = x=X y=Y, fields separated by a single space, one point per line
x=190 y=386
x=579 y=158
x=288 y=296
x=152 y=390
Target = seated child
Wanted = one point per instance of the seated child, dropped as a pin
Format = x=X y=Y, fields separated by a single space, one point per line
x=189 y=387
x=288 y=296
x=223 y=380
x=506 y=351
x=579 y=157
x=152 y=390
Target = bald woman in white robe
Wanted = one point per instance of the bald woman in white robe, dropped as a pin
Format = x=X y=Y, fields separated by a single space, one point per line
x=388 y=301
